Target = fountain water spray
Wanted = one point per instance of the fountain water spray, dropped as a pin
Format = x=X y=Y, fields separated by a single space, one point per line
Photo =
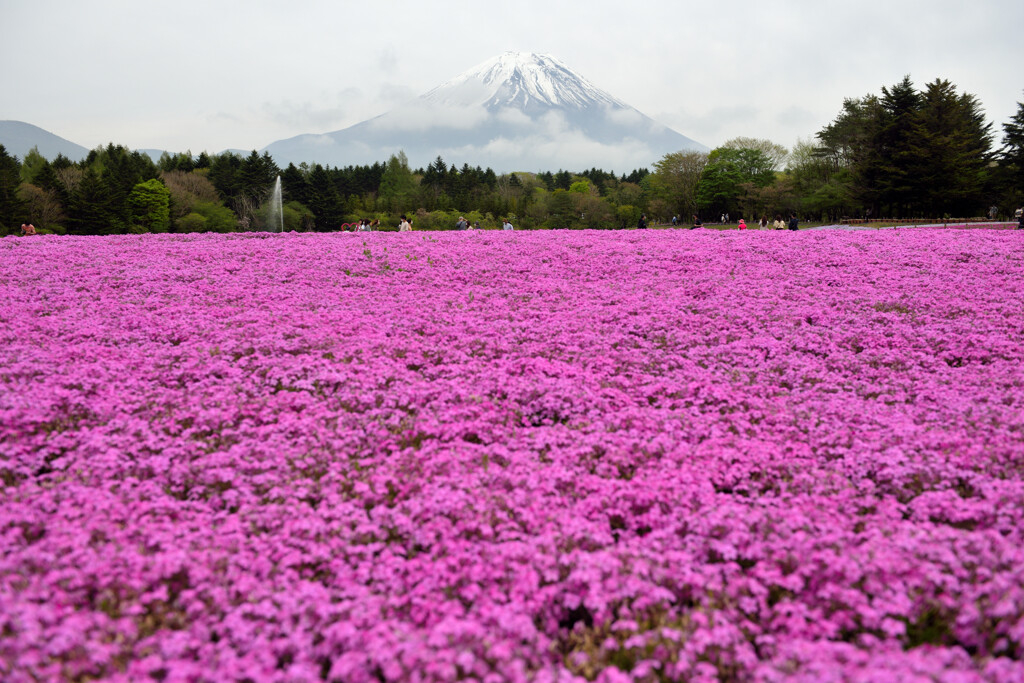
x=275 y=212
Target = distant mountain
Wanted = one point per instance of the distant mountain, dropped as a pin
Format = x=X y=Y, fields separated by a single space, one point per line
x=153 y=154
x=18 y=138
x=515 y=112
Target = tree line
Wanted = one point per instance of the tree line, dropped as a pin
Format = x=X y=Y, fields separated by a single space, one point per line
x=903 y=153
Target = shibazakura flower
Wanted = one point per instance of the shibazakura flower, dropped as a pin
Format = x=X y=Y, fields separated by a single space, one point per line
x=512 y=456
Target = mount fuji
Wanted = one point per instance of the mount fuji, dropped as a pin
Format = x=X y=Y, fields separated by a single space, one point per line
x=514 y=112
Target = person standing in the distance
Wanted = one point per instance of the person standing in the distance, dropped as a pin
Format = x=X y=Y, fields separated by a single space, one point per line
x=696 y=222
x=1020 y=221
x=763 y=223
x=404 y=225
x=642 y=223
x=779 y=224
x=742 y=225
x=505 y=224
x=794 y=224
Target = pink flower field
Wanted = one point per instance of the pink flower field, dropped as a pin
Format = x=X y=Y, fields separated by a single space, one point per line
x=526 y=456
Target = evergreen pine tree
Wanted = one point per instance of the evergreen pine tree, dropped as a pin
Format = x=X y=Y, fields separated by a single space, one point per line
x=1012 y=157
x=46 y=179
x=899 y=145
x=12 y=208
x=225 y=174
x=294 y=186
x=89 y=209
x=257 y=175
x=324 y=201
x=954 y=143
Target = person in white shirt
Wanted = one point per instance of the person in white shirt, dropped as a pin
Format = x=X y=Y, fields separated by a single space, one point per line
x=505 y=225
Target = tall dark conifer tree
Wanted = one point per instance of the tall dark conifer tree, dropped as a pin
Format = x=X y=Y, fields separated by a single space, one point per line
x=294 y=186
x=1012 y=158
x=12 y=209
x=899 y=145
x=955 y=148
x=324 y=201
x=89 y=211
x=910 y=153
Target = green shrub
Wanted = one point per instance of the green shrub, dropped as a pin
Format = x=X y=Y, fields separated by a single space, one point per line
x=218 y=218
x=193 y=222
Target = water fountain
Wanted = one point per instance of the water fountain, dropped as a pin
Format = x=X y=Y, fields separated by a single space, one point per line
x=275 y=211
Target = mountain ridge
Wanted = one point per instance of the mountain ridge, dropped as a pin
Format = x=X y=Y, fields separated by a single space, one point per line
x=18 y=138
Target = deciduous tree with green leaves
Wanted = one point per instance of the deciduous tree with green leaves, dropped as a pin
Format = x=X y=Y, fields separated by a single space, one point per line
x=722 y=181
x=398 y=185
x=675 y=180
x=149 y=207
x=775 y=152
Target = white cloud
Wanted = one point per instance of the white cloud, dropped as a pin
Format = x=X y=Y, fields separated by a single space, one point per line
x=388 y=95
x=307 y=116
x=627 y=117
x=550 y=152
x=421 y=116
x=388 y=59
x=513 y=117
x=554 y=123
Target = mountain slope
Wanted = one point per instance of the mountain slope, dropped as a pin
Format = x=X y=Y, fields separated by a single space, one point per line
x=18 y=138
x=513 y=112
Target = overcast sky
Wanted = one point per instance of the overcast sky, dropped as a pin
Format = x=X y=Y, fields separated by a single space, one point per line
x=212 y=75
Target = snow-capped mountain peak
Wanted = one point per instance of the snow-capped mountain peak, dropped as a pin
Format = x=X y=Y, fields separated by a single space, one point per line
x=516 y=111
x=522 y=80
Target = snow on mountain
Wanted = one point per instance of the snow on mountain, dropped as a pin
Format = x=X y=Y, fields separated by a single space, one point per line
x=521 y=80
x=514 y=112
